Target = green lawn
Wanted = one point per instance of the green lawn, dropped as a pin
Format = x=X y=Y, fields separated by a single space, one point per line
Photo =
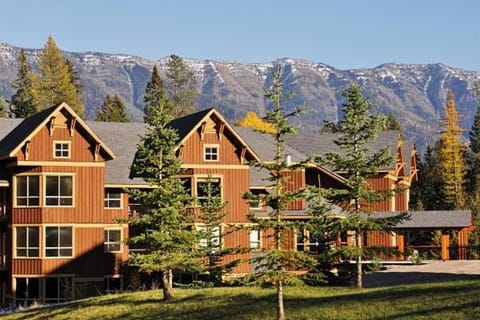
x=448 y=300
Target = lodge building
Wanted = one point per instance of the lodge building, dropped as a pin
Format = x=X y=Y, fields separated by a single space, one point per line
x=63 y=185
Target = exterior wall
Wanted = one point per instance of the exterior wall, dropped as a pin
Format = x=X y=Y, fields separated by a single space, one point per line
x=295 y=181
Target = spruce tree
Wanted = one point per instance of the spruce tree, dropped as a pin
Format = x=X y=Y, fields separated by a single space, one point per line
x=473 y=155
x=451 y=158
x=154 y=96
x=3 y=109
x=22 y=103
x=113 y=110
x=55 y=83
x=164 y=231
x=279 y=258
x=357 y=163
x=181 y=87
x=212 y=231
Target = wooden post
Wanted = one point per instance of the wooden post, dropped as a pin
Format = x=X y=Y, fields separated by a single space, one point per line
x=463 y=244
x=445 y=244
x=401 y=245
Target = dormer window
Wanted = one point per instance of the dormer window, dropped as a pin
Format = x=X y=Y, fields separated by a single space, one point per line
x=61 y=149
x=210 y=152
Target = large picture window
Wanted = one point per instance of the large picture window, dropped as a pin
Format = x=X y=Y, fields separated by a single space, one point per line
x=58 y=241
x=208 y=187
x=59 y=190
x=113 y=239
x=28 y=191
x=27 y=241
x=58 y=289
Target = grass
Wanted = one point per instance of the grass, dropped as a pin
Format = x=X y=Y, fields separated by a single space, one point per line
x=447 y=300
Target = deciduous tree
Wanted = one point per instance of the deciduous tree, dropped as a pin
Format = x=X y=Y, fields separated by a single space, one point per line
x=252 y=120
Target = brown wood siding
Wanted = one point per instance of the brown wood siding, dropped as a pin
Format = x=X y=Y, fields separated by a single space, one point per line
x=42 y=146
x=381 y=183
x=193 y=149
x=235 y=182
x=295 y=181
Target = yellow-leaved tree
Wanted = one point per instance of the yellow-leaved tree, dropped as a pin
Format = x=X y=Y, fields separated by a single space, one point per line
x=251 y=120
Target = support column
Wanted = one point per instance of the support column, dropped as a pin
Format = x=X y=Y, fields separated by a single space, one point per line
x=445 y=241
x=401 y=245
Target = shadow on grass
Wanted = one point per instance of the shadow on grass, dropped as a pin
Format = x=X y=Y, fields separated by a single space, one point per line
x=384 y=279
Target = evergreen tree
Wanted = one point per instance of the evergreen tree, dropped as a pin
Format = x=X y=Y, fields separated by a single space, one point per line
x=473 y=156
x=354 y=131
x=55 y=83
x=113 y=110
x=451 y=158
x=155 y=96
x=212 y=231
x=181 y=87
x=21 y=103
x=252 y=120
x=3 y=109
x=279 y=257
x=164 y=230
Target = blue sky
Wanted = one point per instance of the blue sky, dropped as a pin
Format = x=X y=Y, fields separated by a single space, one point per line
x=342 y=33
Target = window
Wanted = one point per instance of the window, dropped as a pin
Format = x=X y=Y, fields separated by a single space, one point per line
x=208 y=188
x=27 y=241
x=59 y=190
x=255 y=239
x=255 y=202
x=112 y=241
x=209 y=237
x=28 y=191
x=61 y=149
x=113 y=199
x=307 y=241
x=27 y=290
x=58 y=242
x=210 y=153
x=58 y=289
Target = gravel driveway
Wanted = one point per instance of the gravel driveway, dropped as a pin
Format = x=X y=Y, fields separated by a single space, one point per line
x=427 y=271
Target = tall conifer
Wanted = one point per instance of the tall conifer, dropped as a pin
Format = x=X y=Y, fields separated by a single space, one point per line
x=22 y=103
x=357 y=162
x=181 y=87
x=113 y=110
x=164 y=229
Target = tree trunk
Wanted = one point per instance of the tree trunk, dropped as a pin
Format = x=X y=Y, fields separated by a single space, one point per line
x=359 y=281
x=167 y=295
x=280 y=308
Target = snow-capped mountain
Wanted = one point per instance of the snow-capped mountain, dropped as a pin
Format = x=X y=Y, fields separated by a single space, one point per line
x=415 y=94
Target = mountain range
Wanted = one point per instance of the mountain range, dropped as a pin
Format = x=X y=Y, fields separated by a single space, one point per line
x=414 y=93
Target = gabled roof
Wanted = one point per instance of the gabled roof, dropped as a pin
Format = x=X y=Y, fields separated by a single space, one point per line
x=322 y=143
x=25 y=130
x=434 y=219
x=189 y=124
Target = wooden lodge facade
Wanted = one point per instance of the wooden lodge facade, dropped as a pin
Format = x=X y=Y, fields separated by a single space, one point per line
x=63 y=188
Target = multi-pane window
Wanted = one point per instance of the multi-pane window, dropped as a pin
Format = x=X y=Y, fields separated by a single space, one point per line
x=58 y=289
x=27 y=241
x=58 y=241
x=208 y=188
x=27 y=290
x=254 y=239
x=113 y=199
x=209 y=237
x=112 y=241
x=28 y=191
x=59 y=190
x=61 y=150
x=211 y=153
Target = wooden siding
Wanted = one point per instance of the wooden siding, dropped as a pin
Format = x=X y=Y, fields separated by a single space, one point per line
x=193 y=150
x=41 y=146
x=381 y=183
x=295 y=180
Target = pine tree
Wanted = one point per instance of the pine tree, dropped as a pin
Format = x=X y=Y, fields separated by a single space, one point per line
x=211 y=232
x=155 y=96
x=113 y=110
x=279 y=258
x=252 y=120
x=181 y=87
x=21 y=103
x=473 y=155
x=165 y=231
x=357 y=163
x=451 y=158
x=3 y=109
x=55 y=83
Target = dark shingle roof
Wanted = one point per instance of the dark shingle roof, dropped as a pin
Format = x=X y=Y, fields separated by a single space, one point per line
x=433 y=219
x=22 y=131
x=321 y=143
x=185 y=124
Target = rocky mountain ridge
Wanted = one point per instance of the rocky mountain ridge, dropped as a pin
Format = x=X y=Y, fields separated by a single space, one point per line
x=414 y=94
